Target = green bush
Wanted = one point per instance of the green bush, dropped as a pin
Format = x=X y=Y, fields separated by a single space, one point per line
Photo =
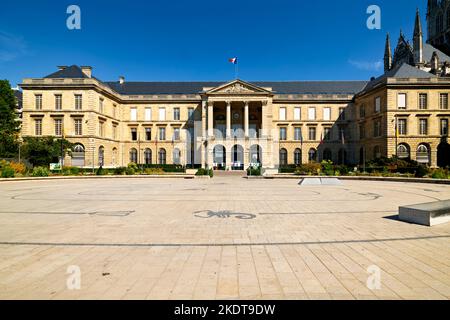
x=75 y=171
x=421 y=171
x=100 y=171
x=440 y=174
x=327 y=167
x=8 y=172
x=40 y=172
x=205 y=172
x=130 y=171
x=252 y=171
x=120 y=171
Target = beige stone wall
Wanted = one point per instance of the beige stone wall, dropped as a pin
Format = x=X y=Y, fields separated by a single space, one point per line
x=390 y=111
x=117 y=112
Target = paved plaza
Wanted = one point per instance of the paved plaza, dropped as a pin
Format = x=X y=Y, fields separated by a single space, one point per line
x=224 y=238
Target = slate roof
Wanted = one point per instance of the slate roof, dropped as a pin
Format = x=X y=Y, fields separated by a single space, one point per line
x=403 y=71
x=73 y=72
x=428 y=50
x=290 y=87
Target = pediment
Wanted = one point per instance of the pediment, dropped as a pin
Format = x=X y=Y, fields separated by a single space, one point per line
x=237 y=87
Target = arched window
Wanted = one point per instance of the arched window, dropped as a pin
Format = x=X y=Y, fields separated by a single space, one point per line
x=423 y=154
x=78 y=154
x=403 y=151
x=148 y=156
x=162 y=156
x=297 y=157
x=219 y=156
x=101 y=156
x=133 y=155
x=327 y=154
x=312 y=155
x=376 y=152
x=283 y=157
x=176 y=156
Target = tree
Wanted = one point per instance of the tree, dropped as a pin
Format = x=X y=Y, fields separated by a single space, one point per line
x=9 y=126
x=41 y=151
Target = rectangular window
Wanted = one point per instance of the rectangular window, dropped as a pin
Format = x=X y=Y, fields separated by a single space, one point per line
x=444 y=127
x=114 y=131
x=148 y=114
x=312 y=133
x=176 y=134
x=58 y=102
x=190 y=113
x=283 y=136
x=78 y=102
x=58 y=127
x=134 y=134
x=38 y=101
x=377 y=129
x=162 y=134
x=362 y=111
x=312 y=113
x=162 y=114
x=401 y=101
x=423 y=127
x=443 y=101
x=100 y=105
x=327 y=114
x=38 y=127
x=423 y=101
x=133 y=114
x=297 y=113
x=176 y=114
x=282 y=115
x=101 y=129
x=377 y=104
x=402 y=127
x=78 y=127
x=362 y=131
x=341 y=113
x=298 y=133
x=148 y=134
x=327 y=134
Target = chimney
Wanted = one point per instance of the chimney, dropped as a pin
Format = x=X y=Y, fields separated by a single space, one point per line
x=121 y=79
x=87 y=70
x=62 y=67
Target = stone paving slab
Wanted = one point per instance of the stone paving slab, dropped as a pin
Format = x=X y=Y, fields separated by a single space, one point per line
x=223 y=238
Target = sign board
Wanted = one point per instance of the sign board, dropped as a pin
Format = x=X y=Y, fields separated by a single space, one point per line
x=55 y=166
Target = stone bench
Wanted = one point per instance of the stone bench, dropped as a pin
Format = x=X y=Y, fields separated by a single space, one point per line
x=427 y=214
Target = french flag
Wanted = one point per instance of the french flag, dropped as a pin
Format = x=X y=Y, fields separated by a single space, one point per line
x=233 y=60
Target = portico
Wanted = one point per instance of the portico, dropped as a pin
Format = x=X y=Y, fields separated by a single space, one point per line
x=236 y=126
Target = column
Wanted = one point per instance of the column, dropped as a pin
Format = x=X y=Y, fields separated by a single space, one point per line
x=228 y=119
x=210 y=119
x=263 y=119
x=246 y=119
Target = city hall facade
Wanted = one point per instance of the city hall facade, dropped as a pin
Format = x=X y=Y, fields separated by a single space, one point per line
x=232 y=125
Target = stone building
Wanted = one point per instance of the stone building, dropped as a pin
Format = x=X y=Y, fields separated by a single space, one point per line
x=438 y=22
x=234 y=124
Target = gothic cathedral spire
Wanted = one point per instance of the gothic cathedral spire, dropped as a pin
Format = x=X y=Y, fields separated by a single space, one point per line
x=418 y=40
x=387 y=55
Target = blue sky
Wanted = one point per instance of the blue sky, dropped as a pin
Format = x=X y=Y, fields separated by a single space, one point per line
x=162 y=40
